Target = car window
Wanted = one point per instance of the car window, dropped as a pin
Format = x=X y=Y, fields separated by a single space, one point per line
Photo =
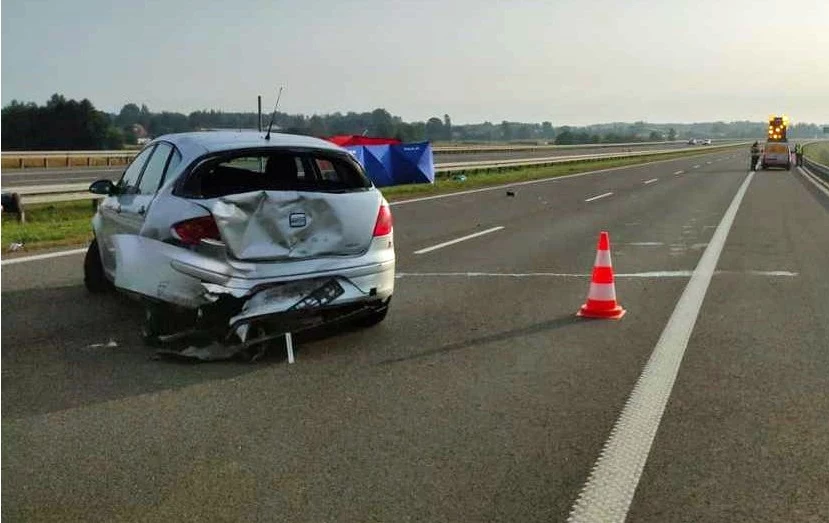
x=155 y=169
x=128 y=184
x=282 y=171
x=175 y=159
x=776 y=149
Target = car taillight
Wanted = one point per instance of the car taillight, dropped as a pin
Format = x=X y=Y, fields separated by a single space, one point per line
x=193 y=231
x=384 y=222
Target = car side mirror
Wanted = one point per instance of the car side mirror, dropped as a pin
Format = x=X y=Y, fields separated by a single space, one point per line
x=105 y=187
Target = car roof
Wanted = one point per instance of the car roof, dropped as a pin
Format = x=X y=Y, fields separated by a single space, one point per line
x=201 y=142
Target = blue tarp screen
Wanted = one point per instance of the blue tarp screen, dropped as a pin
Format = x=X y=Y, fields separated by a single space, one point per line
x=396 y=164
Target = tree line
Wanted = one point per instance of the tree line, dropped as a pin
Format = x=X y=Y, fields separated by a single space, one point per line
x=71 y=124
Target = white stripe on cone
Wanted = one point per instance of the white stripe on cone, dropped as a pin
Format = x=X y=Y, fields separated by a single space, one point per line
x=602 y=259
x=602 y=292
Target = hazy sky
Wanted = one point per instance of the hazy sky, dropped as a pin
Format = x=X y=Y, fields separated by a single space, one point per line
x=566 y=61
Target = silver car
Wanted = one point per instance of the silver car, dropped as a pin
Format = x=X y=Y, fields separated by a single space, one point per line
x=233 y=233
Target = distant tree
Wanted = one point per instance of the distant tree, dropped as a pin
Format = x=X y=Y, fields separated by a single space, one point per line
x=447 y=127
x=129 y=115
x=564 y=136
x=547 y=130
x=655 y=136
x=316 y=126
x=434 y=129
x=382 y=123
x=506 y=131
x=671 y=134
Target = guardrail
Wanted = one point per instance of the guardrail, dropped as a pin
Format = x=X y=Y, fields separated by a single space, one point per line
x=80 y=191
x=817 y=168
x=46 y=159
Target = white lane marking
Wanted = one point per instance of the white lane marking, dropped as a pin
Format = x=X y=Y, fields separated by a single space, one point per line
x=696 y=167
x=528 y=182
x=652 y=180
x=649 y=274
x=46 y=256
x=457 y=240
x=605 y=195
x=645 y=244
x=609 y=489
x=707 y=163
x=809 y=176
x=679 y=172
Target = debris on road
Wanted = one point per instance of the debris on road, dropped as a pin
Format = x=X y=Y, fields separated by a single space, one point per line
x=111 y=344
x=511 y=193
x=15 y=246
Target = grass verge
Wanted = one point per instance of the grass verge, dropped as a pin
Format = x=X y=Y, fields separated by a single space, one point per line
x=49 y=225
x=818 y=152
x=68 y=223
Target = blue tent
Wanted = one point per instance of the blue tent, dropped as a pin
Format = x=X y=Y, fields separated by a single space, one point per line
x=399 y=164
x=412 y=163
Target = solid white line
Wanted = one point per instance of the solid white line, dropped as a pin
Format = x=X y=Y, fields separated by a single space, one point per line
x=809 y=176
x=650 y=274
x=605 y=195
x=652 y=180
x=679 y=172
x=609 y=489
x=46 y=256
x=457 y=240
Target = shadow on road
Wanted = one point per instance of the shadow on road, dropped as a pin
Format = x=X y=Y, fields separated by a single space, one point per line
x=492 y=338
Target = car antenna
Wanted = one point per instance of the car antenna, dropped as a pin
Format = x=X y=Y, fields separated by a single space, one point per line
x=273 y=115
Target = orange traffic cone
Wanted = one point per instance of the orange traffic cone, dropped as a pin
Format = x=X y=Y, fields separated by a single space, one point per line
x=601 y=299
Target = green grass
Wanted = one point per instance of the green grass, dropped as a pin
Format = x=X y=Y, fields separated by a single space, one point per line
x=818 y=152
x=68 y=223
x=447 y=183
x=49 y=225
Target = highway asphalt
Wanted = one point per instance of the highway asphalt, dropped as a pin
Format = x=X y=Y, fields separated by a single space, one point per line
x=53 y=176
x=481 y=397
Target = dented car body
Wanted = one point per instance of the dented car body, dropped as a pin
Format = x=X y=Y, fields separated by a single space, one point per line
x=268 y=232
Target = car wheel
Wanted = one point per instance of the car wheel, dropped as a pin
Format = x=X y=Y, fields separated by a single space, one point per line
x=376 y=316
x=94 y=277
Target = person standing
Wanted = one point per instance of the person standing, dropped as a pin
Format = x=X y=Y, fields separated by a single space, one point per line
x=755 y=155
x=798 y=153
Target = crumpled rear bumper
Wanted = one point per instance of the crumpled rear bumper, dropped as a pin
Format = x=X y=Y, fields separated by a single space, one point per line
x=189 y=279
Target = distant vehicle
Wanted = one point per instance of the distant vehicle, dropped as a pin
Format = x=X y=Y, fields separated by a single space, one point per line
x=706 y=141
x=243 y=236
x=693 y=141
x=776 y=154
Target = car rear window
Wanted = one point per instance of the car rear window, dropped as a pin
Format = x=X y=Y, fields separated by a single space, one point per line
x=776 y=148
x=272 y=171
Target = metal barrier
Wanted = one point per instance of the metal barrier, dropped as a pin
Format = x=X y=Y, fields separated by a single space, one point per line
x=80 y=191
x=45 y=159
x=816 y=168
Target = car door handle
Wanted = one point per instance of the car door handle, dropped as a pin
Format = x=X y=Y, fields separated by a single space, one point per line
x=142 y=210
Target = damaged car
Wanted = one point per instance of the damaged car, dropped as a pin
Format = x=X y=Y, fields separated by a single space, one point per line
x=243 y=236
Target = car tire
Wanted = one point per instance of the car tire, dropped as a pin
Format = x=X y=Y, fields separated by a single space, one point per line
x=94 y=277
x=374 y=317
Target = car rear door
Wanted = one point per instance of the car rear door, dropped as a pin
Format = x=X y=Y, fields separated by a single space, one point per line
x=111 y=207
x=134 y=206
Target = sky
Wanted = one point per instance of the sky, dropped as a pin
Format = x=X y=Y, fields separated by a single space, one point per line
x=570 y=62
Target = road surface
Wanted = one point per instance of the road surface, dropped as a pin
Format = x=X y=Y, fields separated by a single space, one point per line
x=481 y=397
